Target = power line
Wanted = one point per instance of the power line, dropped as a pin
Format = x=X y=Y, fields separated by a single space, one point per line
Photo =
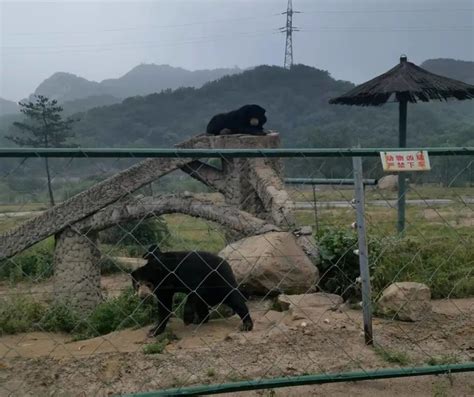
x=383 y=29
x=133 y=45
x=73 y=48
x=145 y=27
x=224 y=20
x=393 y=11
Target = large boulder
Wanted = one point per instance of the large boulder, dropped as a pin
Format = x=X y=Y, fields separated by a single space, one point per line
x=388 y=182
x=406 y=301
x=271 y=263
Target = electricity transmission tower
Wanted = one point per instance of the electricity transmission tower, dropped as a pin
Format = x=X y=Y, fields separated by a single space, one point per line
x=289 y=29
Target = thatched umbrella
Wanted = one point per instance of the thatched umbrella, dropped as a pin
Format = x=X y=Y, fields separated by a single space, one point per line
x=405 y=83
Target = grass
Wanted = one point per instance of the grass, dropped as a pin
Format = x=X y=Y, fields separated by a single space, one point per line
x=19 y=314
x=23 y=314
x=392 y=356
x=188 y=233
x=155 y=348
x=34 y=264
x=160 y=344
x=211 y=372
x=5 y=208
x=441 y=388
x=415 y=192
x=444 y=359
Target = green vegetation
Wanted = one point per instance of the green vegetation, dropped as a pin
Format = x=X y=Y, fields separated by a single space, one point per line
x=44 y=127
x=124 y=311
x=136 y=236
x=339 y=264
x=35 y=264
x=19 y=314
x=444 y=264
x=22 y=314
x=161 y=341
x=155 y=348
x=211 y=372
x=392 y=356
x=444 y=359
x=297 y=106
x=59 y=318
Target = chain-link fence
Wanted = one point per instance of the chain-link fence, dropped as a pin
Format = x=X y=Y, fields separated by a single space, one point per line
x=217 y=232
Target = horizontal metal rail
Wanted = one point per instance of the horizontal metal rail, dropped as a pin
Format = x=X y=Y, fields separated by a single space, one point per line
x=308 y=380
x=329 y=181
x=218 y=153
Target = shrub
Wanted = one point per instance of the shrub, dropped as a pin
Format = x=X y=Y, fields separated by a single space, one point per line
x=155 y=348
x=137 y=234
x=19 y=314
x=110 y=266
x=161 y=341
x=442 y=264
x=22 y=314
x=34 y=264
x=339 y=265
x=126 y=310
x=59 y=318
x=392 y=356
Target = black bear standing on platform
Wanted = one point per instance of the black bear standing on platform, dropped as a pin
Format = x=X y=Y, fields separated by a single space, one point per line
x=206 y=278
x=249 y=119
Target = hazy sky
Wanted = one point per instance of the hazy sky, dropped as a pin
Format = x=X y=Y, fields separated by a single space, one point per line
x=354 y=40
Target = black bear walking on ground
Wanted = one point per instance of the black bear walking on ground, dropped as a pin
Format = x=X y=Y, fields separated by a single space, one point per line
x=207 y=280
x=248 y=119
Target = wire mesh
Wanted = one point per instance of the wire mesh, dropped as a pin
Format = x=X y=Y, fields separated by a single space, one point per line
x=71 y=322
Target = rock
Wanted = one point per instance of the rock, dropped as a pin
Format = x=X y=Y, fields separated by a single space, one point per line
x=388 y=182
x=304 y=231
x=271 y=263
x=406 y=301
x=309 y=247
x=308 y=301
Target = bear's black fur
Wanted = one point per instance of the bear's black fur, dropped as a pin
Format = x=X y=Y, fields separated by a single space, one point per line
x=207 y=280
x=239 y=121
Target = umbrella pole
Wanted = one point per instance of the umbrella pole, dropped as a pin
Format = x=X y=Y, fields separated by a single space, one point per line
x=402 y=129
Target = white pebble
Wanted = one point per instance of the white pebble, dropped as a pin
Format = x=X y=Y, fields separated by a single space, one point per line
x=326 y=321
x=304 y=324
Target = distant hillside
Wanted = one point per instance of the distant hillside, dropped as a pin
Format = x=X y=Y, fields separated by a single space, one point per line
x=8 y=107
x=149 y=78
x=459 y=70
x=297 y=105
x=141 y=80
x=68 y=87
x=83 y=104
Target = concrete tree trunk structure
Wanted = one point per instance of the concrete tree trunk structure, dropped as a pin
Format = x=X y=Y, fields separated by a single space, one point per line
x=253 y=185
x=255 y=202
x=76 y=271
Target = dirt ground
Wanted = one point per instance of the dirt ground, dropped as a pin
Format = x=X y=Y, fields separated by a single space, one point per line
x=314 y=340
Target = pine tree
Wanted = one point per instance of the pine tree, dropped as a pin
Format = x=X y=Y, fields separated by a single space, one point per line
x=44 y=127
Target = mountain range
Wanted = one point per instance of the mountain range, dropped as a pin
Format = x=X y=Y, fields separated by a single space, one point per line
x=8 y=107
x=141 y=80
x=296 y=101
x=297 y=106
x=76 y=93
